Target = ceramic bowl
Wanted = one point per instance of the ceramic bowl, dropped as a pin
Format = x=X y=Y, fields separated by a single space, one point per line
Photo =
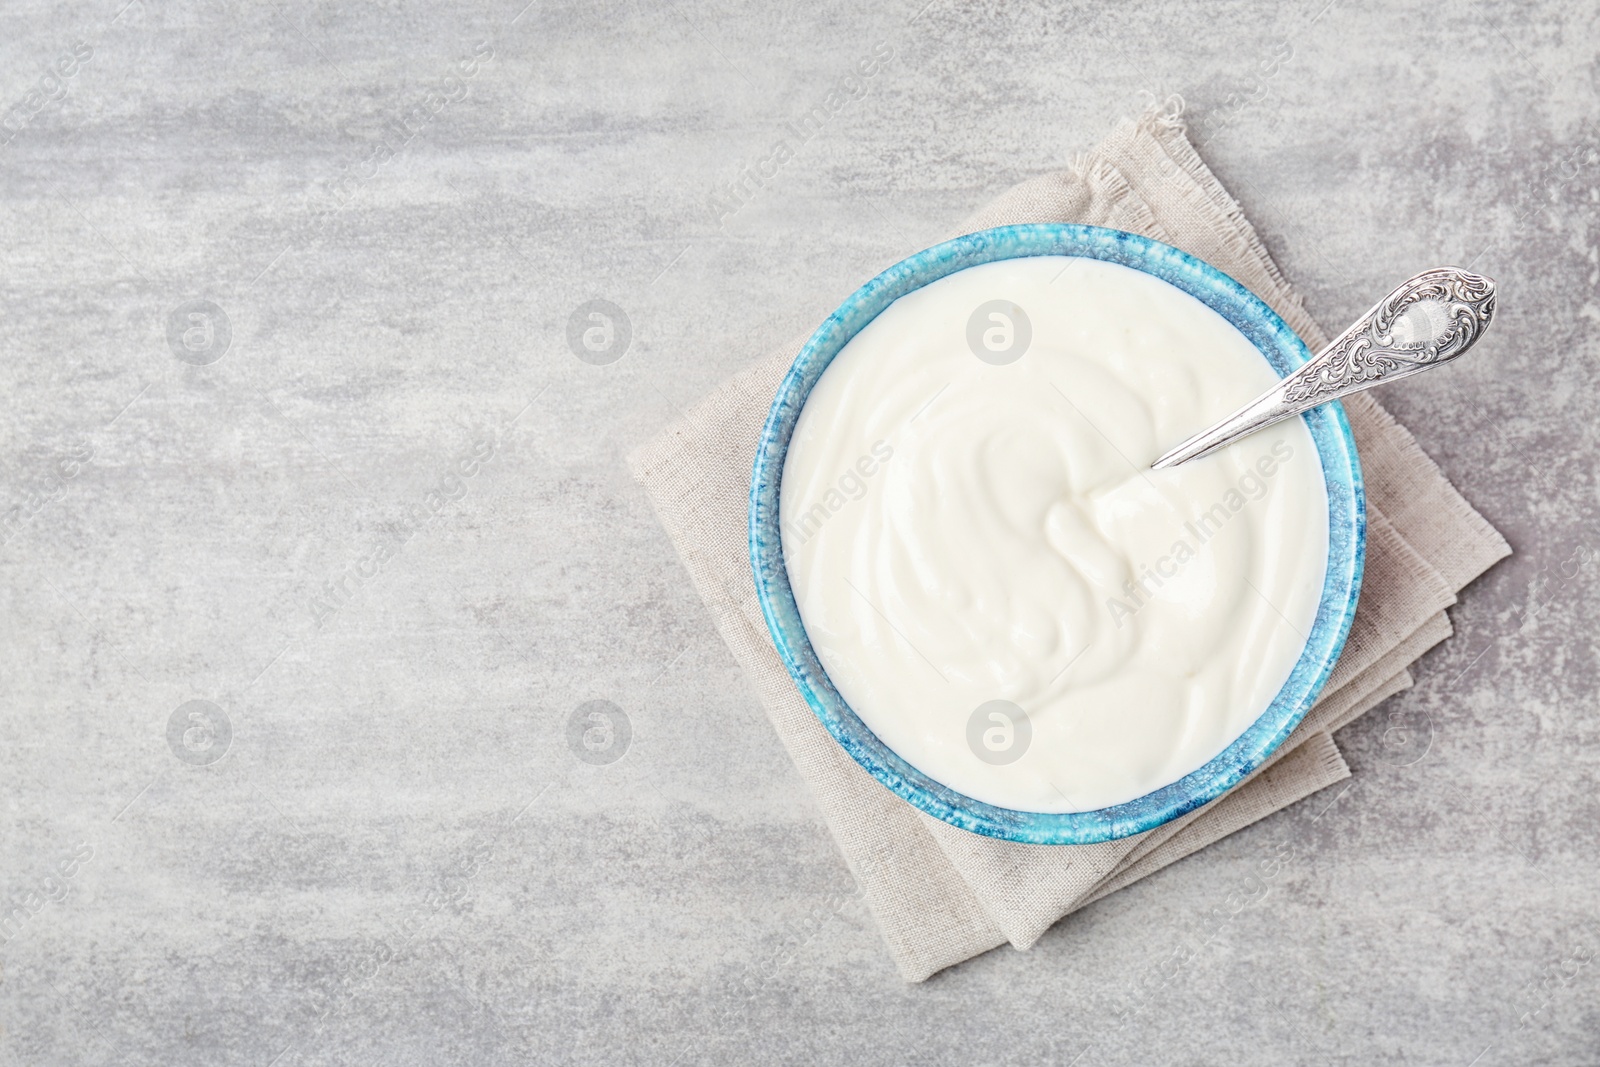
x=1341 y=470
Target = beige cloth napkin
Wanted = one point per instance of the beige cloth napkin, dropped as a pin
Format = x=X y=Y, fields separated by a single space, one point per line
x=942 y=895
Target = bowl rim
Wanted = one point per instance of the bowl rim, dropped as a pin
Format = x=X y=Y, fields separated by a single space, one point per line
x=1336 y=450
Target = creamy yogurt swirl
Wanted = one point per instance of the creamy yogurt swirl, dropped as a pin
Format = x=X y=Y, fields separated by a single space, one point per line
x=991 y=575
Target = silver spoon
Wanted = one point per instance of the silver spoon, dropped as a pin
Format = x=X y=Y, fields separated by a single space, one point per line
x=1431 y=319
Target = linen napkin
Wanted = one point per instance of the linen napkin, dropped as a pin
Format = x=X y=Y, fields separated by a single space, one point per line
x=942 y=895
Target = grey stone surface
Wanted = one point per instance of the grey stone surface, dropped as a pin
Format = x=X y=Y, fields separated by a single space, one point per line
x=398 y=857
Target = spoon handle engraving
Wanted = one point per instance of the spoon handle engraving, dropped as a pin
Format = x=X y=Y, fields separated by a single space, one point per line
x=1430 y=319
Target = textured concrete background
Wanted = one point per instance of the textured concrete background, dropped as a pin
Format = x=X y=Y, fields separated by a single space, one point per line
x=255 y=328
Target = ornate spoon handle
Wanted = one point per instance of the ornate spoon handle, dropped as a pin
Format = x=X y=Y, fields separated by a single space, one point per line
x=1429 y=320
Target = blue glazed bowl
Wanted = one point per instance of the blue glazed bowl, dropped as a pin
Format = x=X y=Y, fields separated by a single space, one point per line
x=1347 y=535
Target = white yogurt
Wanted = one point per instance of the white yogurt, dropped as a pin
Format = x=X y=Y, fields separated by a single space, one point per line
x=990 y=573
